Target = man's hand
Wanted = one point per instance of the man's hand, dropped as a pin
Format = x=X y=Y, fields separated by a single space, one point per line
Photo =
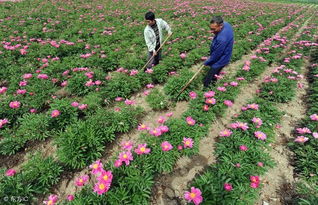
x=154 y=53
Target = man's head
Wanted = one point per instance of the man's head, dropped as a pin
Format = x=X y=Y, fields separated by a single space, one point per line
x=216 y=24
x=150 y=18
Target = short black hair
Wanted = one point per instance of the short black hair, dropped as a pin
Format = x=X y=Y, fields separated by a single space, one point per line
x=217 y=19
x=150 y=16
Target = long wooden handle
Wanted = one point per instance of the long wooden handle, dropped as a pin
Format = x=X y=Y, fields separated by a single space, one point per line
x=156 y=51
x=188 y=83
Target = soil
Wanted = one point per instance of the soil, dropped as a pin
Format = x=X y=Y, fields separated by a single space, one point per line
x=279 y=181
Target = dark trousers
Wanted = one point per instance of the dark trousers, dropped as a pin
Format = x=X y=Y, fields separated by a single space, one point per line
x=155 y=60
x=210 y=77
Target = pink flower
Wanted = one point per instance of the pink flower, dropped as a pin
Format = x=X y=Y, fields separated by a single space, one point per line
x=205 y=107
x=52 y=200
x=228 y=187
x=27 y=76
x=133 y=72
x=234 y=84
x=149 y=70
x=32 y=110
x=146 y=92
x=118 y=163
x=222 y=89
x=126 y=145
x=96 y=167
x=303 y=130
x=22 y=83
x=101 y=187
x=65 y=72
x=82 y=106
x=193 y=95
x=150 y=86
x=129 y=102
x=164 y=129
x=252 y=106
x=241 y=125
x=169 y=114
x=64 y=83
x=183 y=55
x=301 y=139
x=194 y=196
x=105 y=176
x=244 y=108
x=3 y=122
x=98 y=82
x=3 y=90
x=161 y=120
x=166 y=146
x=89 y=83
x=210 y=101
x=55 y=113
x=314 y=117
x=238 y=165
x=14 y=104
x=70 y=197
x=260 y=135
x=43 y=76
x=243 y=148
x=82 y=180
x=228 y=103
x=143 y=127
x=260 y=164
x=126 y=157
x=257 y=121
x=155 y=132
x=190 y=121
x=254 y=185
x=74 y=104
x=246 y=68
x=187 y=142
x=254 y=179
x=226 y=133
x=315 y=135
x=209 y=94
x=23 y=51
x=117 y=109
x=10 y=172
x=240 y=78
x=142 y=149
x=119 y=99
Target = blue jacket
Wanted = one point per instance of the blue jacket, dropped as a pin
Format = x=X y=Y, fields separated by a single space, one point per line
x=221 y=47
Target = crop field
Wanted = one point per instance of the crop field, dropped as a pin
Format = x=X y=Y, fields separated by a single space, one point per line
x=82 y=123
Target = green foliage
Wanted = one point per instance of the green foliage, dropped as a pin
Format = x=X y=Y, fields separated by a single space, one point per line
x=68 y=114
x=33 y=126
x=157 y=100
x=176 y=83
x=36 y=177
x=76 y=84
x=121 y=85
x=307 y=192
x=79 y=145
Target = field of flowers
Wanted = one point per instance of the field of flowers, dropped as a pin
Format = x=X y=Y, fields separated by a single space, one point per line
x=82 y=123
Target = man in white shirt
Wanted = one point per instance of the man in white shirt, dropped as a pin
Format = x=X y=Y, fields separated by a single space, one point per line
x=153 y=36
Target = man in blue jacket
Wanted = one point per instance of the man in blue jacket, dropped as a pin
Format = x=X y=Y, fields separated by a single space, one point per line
x=220 y=50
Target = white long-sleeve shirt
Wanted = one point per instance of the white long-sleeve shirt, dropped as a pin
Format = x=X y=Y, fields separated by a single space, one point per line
x=150 y=36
